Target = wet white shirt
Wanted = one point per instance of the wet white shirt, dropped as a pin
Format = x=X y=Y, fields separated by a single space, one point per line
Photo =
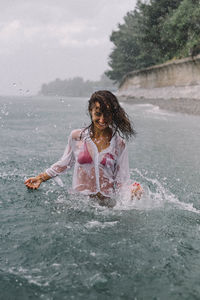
x=105 y=172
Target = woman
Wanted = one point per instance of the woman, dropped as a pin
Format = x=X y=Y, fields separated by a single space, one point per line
x=98 y=153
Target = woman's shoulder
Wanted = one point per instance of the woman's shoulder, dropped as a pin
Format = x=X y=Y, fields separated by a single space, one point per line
x=120 y=142
x=77 y=134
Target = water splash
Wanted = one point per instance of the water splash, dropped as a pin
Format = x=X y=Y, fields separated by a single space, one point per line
x=94 y=223
x=153 y=111
x=155 y=196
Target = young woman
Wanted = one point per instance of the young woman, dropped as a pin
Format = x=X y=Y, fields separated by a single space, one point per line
x=98 y=153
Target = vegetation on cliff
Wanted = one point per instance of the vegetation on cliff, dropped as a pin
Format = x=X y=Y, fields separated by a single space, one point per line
x=153 y=33
x=76 y=87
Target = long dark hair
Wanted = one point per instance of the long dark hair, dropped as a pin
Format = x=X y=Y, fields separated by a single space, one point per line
x=110 y=105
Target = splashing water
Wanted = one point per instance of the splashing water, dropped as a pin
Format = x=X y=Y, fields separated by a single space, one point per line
x=56 y=245
x=155 y=196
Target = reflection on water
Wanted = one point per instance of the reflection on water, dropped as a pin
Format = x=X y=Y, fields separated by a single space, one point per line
x=55 y=245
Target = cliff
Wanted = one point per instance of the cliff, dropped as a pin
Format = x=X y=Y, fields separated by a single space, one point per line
x=177 y=79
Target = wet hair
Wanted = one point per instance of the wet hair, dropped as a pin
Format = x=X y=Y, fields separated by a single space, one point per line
x=109 y=106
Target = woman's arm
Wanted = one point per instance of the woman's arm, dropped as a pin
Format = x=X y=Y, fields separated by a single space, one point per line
x=34 y=182
x=122 y=176
x=65 y=162
x=60 y=167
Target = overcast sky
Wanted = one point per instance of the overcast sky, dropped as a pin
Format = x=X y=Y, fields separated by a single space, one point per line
x=41 y=40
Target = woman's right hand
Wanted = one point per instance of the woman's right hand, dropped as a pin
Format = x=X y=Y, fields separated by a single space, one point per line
x=136 y=190
x=33 y=183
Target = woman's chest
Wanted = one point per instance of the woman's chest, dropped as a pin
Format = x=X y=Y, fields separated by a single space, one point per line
x=101 y=144
x=88 y=153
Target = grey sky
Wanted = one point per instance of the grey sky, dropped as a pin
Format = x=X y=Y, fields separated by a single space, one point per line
x=41 y=40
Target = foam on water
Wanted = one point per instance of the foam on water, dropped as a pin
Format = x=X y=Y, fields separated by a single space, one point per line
x=153 y=111
x=32 y=276
x=95 y=223
x=156 y=110
x=155 y=198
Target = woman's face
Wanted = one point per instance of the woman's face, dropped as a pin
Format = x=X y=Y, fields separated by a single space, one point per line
x=99 y=119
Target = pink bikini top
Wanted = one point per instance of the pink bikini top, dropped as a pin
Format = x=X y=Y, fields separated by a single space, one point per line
x=85 y=157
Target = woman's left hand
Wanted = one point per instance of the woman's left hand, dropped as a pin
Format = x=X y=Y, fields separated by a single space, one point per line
x=136 y=190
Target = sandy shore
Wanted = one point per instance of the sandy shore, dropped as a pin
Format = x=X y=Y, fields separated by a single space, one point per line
x=187 y=106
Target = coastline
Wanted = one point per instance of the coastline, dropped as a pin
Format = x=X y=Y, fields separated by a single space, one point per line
x=186 y=106
x=172 y=86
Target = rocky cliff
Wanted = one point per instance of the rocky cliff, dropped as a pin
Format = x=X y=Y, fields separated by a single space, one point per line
x=177 y=79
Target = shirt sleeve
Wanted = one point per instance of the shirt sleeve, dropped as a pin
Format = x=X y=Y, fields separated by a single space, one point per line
x=66 y=161
x=122 y=174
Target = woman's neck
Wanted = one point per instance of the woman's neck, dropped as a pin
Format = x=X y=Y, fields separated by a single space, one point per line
x=102 y=133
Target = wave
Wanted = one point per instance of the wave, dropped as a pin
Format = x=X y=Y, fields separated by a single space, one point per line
x=155 y=196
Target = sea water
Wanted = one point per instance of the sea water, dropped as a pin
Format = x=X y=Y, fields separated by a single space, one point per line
x=54 y=245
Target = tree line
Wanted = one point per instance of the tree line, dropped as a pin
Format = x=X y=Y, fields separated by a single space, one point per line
x=76 y=87
x=156 y=31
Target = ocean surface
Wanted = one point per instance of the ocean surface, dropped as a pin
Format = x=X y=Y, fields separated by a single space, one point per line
x=54 y=245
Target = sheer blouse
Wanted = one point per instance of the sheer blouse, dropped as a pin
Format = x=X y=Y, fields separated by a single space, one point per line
x=104 y=172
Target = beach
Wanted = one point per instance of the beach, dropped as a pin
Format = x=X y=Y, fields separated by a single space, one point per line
x=187 y=106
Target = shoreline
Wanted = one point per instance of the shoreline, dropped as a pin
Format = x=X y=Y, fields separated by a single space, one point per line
x=185 y=106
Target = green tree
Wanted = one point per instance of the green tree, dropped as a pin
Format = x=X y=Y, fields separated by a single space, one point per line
x=137 y=42
x=126 y=50
x=181 y=30
x=153 y=16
